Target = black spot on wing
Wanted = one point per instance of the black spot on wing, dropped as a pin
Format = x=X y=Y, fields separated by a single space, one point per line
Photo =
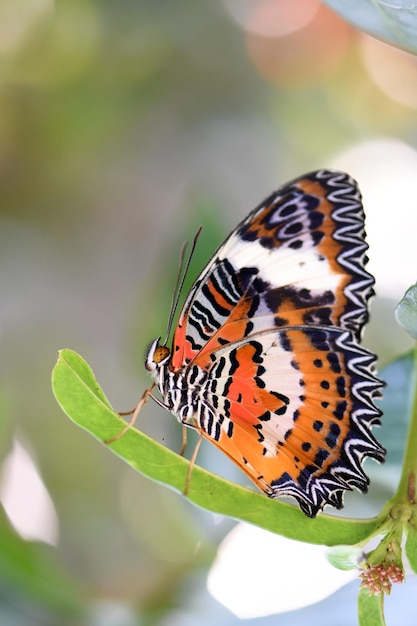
x=341 y=386
x=332 y=436
x=334 y=362
x=340 y=410
x=257 y=357
x=321 y=456
x=285 y=342
x=234 y=363
x=280 y=321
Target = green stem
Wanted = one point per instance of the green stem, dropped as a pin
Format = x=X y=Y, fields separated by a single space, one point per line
x=406 y=491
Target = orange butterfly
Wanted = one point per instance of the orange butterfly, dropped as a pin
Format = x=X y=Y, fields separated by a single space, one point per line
x=266 y=362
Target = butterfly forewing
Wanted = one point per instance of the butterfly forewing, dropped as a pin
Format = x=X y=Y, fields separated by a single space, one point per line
x=297 y=259
x=270 y=330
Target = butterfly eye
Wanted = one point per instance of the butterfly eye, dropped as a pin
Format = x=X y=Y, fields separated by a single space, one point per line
x=155 y=354
x=160 y=354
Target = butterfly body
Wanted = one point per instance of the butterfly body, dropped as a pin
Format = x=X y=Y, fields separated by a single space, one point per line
x=266 y=361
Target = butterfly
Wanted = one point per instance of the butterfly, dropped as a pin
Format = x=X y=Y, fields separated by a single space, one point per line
x=266 y=361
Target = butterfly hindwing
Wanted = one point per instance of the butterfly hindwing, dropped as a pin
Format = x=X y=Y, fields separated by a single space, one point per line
x=300 y=406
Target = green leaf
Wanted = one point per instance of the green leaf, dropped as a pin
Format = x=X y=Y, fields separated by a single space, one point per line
x=80 y=397
x=31 y=570
x=406 y=311
x=370 y=609
x=392 y=22
x=345 y=557
x=411 y=547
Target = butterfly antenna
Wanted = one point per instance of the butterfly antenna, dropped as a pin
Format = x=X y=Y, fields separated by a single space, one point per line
x=179 y=282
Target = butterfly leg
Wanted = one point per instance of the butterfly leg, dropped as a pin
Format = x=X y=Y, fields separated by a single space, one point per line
x=184 y=440
x=143 y=400
x=191 y=465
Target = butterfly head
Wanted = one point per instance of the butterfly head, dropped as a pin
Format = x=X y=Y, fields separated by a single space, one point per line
x=157 y=356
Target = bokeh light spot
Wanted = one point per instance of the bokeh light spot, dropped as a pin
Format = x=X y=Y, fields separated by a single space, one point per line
x=392 y=70
x=286 y=567
x=25 y=498
x=386 y=171
x=306 y=55
x=18 y=18
x=272 y=18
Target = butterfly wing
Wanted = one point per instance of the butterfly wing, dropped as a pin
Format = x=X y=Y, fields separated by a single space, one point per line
x=275 y=319
x=297 y=259
x=294 y=410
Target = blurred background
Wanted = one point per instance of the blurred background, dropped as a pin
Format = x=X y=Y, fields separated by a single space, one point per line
x=123 y=127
